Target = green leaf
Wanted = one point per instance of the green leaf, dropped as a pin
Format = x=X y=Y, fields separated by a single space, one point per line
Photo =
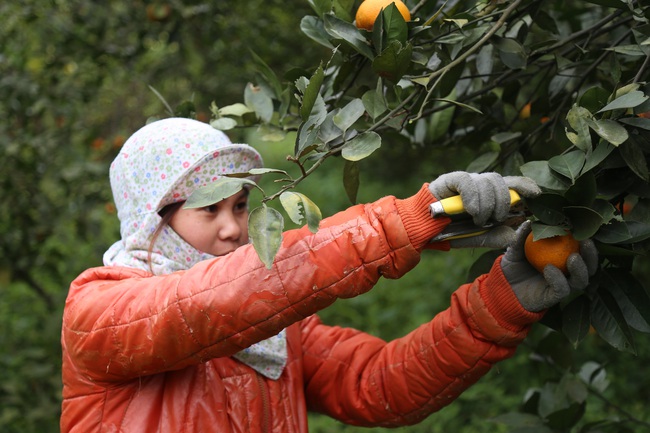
x=485 y=62
x=349 y=114
x=628 y=100
x=576 y=320
x=631 y=296
x=594 y=99
x=378 y=34
x=321 y=7
x=260 y=171
x=609 y=322
x=348 y=33
x=600 y=153
x=216 y=191
x=257 y=172
x=361 y=146
x=394 y=61
x=623 y=232
x=300 y=208
x=583 y=191
x=268 y=74
x=542 y=174
x=237 y=109
x=374 y=101
x=328 y=131
x=504 y=137
x=223 y=123
x=460 y=104
x=543 y=231
x=567 y=417
x=635 y=158
x=481 y=163
x=311 y=94
x=482 y=265
x=307 y=138
x=394 y=25
x=314 y=29
x=511 y=52
x=351 y=180
x=585 y=222
x=637 y=122
x=548 y=208
x=438 y=124
x=605 y=209
x=271 y=133
x=344 y=9
x=265 y=226
x=262 y=104
x=555 y=346
x=578 y=118
x=569 y=164
x=551 y=399
x=610 y=130
x=594 y=375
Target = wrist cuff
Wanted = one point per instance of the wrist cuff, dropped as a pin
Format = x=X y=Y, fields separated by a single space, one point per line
x=502 y=302
x=417 y=220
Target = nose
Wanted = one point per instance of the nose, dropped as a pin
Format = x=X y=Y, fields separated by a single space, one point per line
x=230 y=228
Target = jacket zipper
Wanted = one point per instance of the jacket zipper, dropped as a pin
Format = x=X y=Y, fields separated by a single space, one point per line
x=266 y=409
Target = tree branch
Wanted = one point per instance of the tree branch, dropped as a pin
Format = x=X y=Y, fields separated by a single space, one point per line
x=36 y=287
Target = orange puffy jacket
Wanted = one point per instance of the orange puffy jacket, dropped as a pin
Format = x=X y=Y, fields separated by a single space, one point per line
x=145 y=353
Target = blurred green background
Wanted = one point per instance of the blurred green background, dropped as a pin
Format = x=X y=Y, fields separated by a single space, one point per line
x=76 y=79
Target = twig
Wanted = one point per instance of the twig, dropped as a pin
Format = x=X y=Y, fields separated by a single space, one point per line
x=296 y=181
x=501 y=21
x=642 y=69
x=592 y=390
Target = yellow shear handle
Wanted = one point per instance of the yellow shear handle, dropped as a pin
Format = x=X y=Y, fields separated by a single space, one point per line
x=454 y=205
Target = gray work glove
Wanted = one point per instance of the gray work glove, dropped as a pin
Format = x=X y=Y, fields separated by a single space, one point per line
x=485 y=195
x=537 y=292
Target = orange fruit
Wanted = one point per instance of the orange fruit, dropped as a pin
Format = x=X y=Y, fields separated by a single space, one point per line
x=550 y=251
x=369 y=10
x=524 y=113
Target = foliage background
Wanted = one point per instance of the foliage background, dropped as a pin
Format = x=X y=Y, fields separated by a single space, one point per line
x=75 y=80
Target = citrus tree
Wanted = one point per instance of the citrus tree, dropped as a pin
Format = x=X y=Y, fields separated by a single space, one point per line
x=554 y=90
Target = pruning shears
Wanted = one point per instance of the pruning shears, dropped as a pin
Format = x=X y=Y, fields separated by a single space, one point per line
x=462 y=225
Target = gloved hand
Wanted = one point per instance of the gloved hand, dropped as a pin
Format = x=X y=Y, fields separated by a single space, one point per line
x=485 y=195
x=537 y=292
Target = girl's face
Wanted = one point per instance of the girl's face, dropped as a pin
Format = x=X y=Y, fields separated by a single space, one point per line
x=217 y=229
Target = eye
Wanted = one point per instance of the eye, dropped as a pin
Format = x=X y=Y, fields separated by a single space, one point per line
x=241 y=206
x=211 y=208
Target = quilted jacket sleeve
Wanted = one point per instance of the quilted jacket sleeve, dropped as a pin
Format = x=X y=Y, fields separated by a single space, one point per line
x=122 y=323
x=360 y=379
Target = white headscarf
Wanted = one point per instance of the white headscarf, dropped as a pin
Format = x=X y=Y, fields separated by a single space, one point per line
x=163 y=163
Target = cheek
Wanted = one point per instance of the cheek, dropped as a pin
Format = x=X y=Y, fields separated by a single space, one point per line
x=244 y=228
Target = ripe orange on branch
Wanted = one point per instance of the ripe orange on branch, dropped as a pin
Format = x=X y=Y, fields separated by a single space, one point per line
x=369 y=10
x=550 y=251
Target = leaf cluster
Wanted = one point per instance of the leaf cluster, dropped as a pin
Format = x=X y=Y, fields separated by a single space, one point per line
x=551 y=90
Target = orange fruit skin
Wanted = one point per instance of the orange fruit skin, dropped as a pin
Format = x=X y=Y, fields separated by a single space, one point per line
x=370 y=9
x=550 y=251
